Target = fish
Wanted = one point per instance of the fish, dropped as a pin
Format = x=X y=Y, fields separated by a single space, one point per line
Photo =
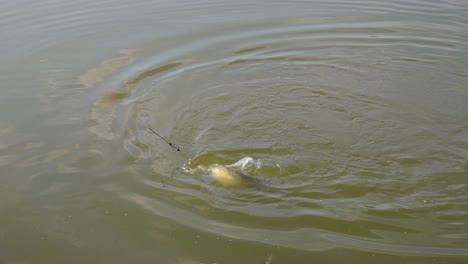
x=230 y=177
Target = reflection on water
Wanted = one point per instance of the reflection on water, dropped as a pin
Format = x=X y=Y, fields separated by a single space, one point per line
x=349 y=118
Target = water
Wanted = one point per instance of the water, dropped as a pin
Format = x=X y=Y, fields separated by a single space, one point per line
x=355 y=115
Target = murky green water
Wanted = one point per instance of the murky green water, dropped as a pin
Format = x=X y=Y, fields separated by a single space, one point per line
x=352 y=115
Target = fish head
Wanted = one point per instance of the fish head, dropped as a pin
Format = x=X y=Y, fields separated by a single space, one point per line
x=216 y=169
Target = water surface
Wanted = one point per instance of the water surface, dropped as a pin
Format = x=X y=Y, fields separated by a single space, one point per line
x=355 y=114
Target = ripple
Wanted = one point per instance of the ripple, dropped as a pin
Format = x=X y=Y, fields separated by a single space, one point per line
x=359 y=164
x=289 y=238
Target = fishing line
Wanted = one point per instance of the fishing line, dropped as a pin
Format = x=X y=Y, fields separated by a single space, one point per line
x=173 y=146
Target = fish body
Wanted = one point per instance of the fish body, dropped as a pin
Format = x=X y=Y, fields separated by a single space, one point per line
x=229 y=176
